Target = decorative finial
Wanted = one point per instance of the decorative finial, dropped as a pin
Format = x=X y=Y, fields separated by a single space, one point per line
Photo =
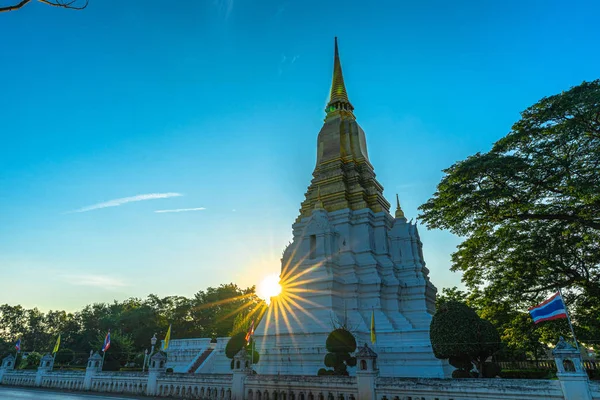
x=399 y=212
x=338 y=98
x=319 y=203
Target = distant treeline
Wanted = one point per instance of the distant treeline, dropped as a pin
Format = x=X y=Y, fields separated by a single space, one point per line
x=215 y=312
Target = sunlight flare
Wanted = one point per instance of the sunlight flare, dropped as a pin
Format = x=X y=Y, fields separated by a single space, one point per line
x=269 y=287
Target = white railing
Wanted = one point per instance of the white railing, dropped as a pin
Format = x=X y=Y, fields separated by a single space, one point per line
x=199 y=386
x=70 y=380
x=458 y=389
x=19 y=378
x=267 y=387
x=120 y=382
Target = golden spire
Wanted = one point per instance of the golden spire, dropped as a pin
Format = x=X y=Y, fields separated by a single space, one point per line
x=399 y=212
x=319 y=203
x=338 y=98
x=343 y=167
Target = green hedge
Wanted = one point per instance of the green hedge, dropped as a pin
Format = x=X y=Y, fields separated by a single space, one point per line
x=594 y=374
x=527 y=374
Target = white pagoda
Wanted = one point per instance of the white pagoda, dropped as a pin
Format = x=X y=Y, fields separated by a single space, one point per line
x=349 y=260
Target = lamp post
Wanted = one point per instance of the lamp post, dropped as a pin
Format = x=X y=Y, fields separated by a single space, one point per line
x=145 y=358
x=153 y=342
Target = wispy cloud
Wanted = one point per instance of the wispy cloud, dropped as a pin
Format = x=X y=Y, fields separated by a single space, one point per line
x=224 y=6
x=180 y=210
x=124 y=200
x=280 y=10
x=99 y=281
x=286 y=62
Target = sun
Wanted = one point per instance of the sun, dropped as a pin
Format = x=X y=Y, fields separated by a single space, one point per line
x=269 y=287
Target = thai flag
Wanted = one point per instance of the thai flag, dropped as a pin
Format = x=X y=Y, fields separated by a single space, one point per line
x=553 y=308
x=18 y=345
x=250 y=332
x=106 y=344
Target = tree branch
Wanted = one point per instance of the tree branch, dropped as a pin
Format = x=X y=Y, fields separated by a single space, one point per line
x=14 y=7
x=553 y=217
x=55 y=3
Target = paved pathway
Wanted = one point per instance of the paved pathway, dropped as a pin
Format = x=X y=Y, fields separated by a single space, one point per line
x=15 y=393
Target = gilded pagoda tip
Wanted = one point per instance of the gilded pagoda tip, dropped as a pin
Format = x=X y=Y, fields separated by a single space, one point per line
x=399 y=212
x=338 y=97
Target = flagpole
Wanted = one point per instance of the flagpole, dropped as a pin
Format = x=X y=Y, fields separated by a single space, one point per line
x=103 y=355
x=569 y=319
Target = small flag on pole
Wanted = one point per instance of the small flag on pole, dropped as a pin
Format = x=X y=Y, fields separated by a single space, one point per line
x=373 y=336
x=250 y=332
x=57 y=345
x=18 y=345
x=553 y=308
x=106 y=344
x=167 y=339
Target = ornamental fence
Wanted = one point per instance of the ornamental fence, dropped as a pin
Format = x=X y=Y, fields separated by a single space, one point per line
x=244 y=384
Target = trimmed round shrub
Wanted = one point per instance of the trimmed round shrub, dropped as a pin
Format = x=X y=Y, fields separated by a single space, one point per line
x=351 y=362
x=461 y=373
x=461 y=363
x=491 y=370
x=341 y=341
x=235 y=344
x=256 y=358
x=331 y=360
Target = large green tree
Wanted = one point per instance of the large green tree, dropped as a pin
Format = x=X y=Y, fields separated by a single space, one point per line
x=529 y=209
x=459 y=335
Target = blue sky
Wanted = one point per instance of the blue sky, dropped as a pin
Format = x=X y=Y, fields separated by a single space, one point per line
x=221 y=102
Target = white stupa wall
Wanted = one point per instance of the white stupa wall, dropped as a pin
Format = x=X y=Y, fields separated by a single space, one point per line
x=360 y=263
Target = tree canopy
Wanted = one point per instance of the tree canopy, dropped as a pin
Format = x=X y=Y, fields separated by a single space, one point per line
x=529 y=209
x=459 y=335
x=133 y=322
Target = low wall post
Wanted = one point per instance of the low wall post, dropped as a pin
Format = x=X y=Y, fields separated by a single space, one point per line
x=46 y=365
x=8 y=364
x=366 y=373
x=156 y=368
x=241 y=369
x=573 y=379
x=94 y=366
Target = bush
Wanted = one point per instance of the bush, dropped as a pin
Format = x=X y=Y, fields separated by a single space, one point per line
x=340 y=343
x=64 y=356
x=238 y=342
x=169 y=371
x=461 y=363
x=138 y=360
x=461 y=373
x=491 y=370
x=235 y=344
x=459 y=335
x=32 y=361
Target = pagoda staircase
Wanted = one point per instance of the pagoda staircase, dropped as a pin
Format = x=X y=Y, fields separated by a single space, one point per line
x=200 y=360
